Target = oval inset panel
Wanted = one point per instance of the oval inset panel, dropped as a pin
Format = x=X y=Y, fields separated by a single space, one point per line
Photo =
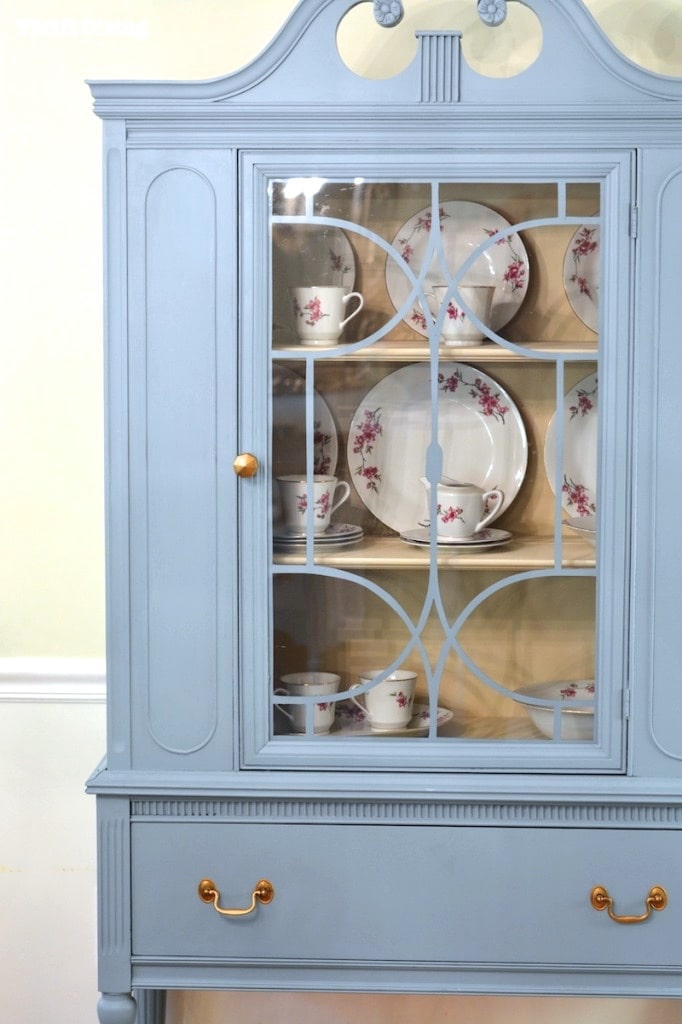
x=180 y=429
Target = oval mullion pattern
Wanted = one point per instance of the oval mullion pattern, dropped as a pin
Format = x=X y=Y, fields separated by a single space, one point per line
x=452 y=643
x=433 y=599
x=416 y=282
x=414 y=629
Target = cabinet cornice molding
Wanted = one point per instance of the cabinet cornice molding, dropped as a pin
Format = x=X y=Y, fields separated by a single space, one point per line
x=528 y=129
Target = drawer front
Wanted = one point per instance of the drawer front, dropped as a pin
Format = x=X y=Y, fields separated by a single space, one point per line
x=406 y=893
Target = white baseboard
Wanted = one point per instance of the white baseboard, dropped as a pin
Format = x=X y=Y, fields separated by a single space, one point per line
x=53 y=680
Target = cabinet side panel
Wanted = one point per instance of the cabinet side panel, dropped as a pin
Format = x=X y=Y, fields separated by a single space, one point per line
x=666 y=706
x=181 y=458
x=177 y=208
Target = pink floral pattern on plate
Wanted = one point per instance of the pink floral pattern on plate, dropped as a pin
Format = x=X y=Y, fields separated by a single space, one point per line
x=584 y=402
x=289 y=417
x=577 y=498
x=479 y=429
x=322 y=464
x=516 y=272
x=584 y=244
x=339 y=268
x=488 y=399
x=363 y=441
x=579 y=476
x=581 y=274
x=464 y=227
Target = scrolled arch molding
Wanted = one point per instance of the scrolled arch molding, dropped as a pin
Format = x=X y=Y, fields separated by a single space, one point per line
x=227 y=87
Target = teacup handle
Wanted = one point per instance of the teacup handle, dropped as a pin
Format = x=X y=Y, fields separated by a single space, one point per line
x=345 y=489
x=499 y=496
x=280 y=691
x=345 y=300
x=357 y=703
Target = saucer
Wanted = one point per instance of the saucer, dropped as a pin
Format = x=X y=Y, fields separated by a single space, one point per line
x=337 y=533
x=488 y=538
x=351 y=721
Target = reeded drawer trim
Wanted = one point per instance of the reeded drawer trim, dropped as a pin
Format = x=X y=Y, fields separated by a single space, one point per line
x=405 y=812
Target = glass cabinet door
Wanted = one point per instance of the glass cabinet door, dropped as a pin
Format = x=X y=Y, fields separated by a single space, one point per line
x=446 y=507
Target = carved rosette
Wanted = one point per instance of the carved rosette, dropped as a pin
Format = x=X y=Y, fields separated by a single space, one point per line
x=388 y=12
x=492 y=12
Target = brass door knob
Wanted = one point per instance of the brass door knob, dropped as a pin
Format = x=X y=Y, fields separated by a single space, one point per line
x=245 y=464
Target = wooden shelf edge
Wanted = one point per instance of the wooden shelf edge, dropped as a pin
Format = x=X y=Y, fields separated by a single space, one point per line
x=522 y=552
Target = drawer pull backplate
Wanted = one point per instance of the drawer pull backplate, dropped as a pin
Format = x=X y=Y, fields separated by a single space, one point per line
x=262 y=893
x=656 y=900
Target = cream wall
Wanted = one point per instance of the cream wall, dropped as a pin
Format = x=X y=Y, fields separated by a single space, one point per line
x=51 y=536
x=51 y=544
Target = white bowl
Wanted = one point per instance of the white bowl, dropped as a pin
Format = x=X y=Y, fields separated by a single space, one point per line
x=577 y=723
x=586 y=526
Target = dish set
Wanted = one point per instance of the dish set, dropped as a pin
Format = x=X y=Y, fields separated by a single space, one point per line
x=391 y=428
x=384 y=705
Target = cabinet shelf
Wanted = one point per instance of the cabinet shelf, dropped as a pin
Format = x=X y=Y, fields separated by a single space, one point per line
x=522 y=552
x=416 y=350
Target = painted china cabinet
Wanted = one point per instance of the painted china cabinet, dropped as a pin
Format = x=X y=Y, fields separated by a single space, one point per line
x=393 y=463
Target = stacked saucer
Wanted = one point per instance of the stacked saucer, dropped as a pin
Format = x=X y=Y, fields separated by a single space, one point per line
x=487 y=538
x=337 y=533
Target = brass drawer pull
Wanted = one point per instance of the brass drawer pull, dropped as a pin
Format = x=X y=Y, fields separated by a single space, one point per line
x=263 y=893
x=656 y=900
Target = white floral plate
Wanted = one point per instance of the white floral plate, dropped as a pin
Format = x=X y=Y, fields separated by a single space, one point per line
x=488 y=538
x=579 y=487
x=288 y=416
x=351 y=721
x=464 y=226
x=480 y=430
x=304 y=255
x=581 y=275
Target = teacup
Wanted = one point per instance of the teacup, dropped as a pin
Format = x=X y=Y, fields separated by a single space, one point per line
x=464 y=509
x=294 y=494
x=457 y=327
x=309 y=684
x=388 y=704
x=319 y=313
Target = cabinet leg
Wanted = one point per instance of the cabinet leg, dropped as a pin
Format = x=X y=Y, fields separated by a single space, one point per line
x=151 y=1006
x=119 y=1008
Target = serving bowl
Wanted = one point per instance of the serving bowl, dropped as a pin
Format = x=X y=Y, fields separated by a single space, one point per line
x=577 y=723
x=586 y=526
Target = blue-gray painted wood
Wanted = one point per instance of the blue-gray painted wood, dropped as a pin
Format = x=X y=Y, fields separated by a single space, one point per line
x=490 y=896
x=116 y=1008
x=374 y=841
x=151 y=1006
x=181 y=355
